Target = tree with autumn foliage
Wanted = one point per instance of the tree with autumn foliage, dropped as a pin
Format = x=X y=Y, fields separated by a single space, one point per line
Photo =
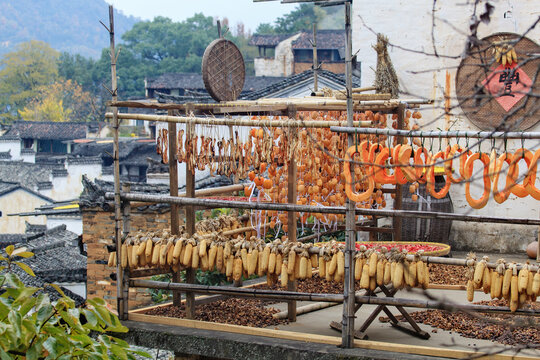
x=64 y=100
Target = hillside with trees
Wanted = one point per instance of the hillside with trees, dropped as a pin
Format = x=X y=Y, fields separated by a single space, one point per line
x=66 y=25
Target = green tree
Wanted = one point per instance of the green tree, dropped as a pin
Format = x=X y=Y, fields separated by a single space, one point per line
x=301 y=18
x=34 y=327
x=23 y=72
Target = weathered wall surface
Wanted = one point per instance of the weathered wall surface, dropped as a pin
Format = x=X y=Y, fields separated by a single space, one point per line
x=98 y=231
x=283 y=62
x=16 y=202
x=70 y=187
x=337 y=67
x=408 y=24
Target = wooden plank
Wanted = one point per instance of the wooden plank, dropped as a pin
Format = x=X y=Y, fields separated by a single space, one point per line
x=321 y=339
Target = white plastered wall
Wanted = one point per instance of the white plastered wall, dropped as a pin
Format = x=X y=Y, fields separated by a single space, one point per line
x=408 y=24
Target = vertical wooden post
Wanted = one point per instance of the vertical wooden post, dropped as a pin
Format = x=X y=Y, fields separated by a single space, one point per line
x=121 y=302
x=397 y=221
x=315 y=60
x=291 y=216
x=173 y=190
x=124 y=281
x=347 y=335
x=190 y=227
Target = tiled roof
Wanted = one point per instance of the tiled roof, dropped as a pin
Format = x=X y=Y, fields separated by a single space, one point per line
x=132 y=152
x=48 y=130
x=59 y=172
x=326 y=39
x=295 y=79
x=27 y=152
x=10 y=137
x=5 y=155
x=195 y=83
x=7 y=187
x=268 y=39
x=35 y=228
x=24 y=173
x=72 y=160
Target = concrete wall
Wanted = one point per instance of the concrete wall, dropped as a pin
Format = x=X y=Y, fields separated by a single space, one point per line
x=29 y=158
x=408 y=24
x=11 y=145
x=70 y=187
x=283 y=62
x=16 y=202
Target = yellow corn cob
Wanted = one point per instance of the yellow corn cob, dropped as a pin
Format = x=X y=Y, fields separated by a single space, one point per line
x=392 y=271
x=514 y=291
x=112 y=256
x=203 y=261
x=212 y=252
x=296 y=272
x=406 y=274
x=142 y=260
x=494 y=281
x=420 y=272
x=364 y=279
x=130 y=256
x=536 y=283
x=237 y=269
x=176 y=251
x=425 y=283
x=479 y=273
x=229 y=266
x=357 y=269
x=259 y=264
x=284 y=275
x=227 y=250
x=328 y=276
x=523 y=278
x=513 y=305
x=387 y=272
x=372 y=264
x=279 y=263
x=333 y=265
x=398 y=276
x=251 y=264
x=507 y=279
x=272 y=263
x=188 y=250
x=244 y=256
x=322 y=267
x=195 y=258
x=141 y=248
x=372 y=283
x=265 y=258
x=202 y=248
x=530 y=283
x=170 y=255
x=291 y=262
x=134 y=257
x=163 y=254
x=314 y=260
x=302 y=272
x=470 y=290
x=486 y=280
x=380 y=273
x=219 y=258
x=148 y=248
x=340 y=264
x=309 y=270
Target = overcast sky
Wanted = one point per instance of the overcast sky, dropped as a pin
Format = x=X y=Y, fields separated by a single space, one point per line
x=246 y=11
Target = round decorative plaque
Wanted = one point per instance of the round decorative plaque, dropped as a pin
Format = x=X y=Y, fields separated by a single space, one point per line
x=223 y=70
x=494 y=94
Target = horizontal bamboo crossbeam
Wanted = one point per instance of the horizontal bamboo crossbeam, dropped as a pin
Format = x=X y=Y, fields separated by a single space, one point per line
x=239 y=292
x=439 y=134
x=212 y=203
x=236 y=122
x=432 y=304
x=299 y=296
x=205 y=192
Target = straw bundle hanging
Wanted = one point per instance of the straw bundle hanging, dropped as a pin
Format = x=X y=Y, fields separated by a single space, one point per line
x=386 y=80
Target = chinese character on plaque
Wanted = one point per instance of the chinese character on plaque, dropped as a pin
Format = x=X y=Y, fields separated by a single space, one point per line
x=508 y=84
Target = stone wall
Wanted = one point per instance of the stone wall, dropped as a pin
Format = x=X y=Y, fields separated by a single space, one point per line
x=98 y=231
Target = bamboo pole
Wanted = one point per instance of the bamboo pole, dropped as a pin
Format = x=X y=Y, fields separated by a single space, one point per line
x=212 y=203
x=347 y=322
x=121 y=306
x=331 y=298
x=238 y=292
x=439 y=134
x=190 y=230
x=124 y=280
x=305 y=309
x=236 y=122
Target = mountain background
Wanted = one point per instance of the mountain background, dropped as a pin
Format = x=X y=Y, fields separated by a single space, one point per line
x=72 y=26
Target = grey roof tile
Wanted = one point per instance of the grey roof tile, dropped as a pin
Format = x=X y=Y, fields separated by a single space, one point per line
x=48 y=130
